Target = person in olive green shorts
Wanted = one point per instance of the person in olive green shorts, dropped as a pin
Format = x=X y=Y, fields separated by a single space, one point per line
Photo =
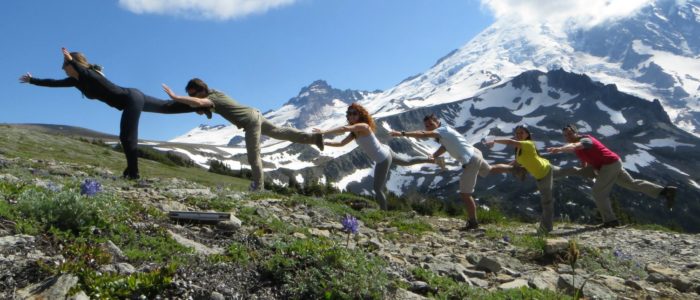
x=248 y=118
x=527 y=156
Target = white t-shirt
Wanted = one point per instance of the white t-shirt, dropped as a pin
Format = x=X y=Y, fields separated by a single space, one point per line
x=455 y=143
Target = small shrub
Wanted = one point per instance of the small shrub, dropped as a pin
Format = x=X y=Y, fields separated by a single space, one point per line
x=316 y=269
x=68 y=210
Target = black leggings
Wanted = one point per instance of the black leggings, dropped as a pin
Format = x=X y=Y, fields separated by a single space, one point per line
x=136 y=102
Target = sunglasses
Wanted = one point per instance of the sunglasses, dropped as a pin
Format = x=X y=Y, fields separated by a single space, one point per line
x=352 y=113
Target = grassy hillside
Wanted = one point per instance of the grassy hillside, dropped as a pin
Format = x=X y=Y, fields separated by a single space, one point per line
x=64 y=218
x=35 y=142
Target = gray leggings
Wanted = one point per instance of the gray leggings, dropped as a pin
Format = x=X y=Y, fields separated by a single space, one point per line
x=381 y=173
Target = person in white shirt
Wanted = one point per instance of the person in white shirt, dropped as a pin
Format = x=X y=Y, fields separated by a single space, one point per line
x=456 y=145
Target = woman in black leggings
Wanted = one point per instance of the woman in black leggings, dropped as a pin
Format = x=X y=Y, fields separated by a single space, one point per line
x=94 y=85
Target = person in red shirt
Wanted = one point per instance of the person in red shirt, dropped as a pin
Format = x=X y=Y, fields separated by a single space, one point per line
x=605 y=166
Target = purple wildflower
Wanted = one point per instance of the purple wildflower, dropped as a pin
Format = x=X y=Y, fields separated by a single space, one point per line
x=350 y=224
x=90 y=187
x=506 y=239
x=617 y=253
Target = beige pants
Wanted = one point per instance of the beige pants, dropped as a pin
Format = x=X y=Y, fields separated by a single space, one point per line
x=605 y=179
x=261 y=126
x=476 y=166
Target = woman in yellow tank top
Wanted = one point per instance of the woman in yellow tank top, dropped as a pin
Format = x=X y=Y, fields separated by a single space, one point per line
x=527 y=156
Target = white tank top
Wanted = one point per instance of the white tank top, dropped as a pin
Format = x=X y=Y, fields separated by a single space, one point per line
x=376 y=151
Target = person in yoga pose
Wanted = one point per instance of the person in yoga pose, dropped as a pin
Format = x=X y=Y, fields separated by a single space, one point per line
x=248 y=118
x=361 y=128
x=92 y=83
x=544 y=172
x=456 y=145
x=605 y=166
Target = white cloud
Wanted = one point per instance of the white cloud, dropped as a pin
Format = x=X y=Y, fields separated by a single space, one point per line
x=206 y=9
x=580 y=13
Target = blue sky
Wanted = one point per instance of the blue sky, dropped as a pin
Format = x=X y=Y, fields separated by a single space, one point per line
x=261 y=57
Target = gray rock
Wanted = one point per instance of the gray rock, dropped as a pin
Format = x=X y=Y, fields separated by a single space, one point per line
x=544 y=281
x=320 y=232
x=591 y=289
x=479 y=282
x=79 y=296
x=107 y=269
x=657 y=278
x=114 y=251
x=554 y=246
x=616 y=284
x=125 y=268
x=407 y=295
x=198 y=248
x=15 y=240
x=474 y=273
x=9 y=178
x=515 y=284
x=216 y=296
x=489 y=264
x=682 y=283
x=52 y=288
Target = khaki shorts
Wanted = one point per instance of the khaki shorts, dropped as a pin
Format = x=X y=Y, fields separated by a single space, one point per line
x=476 y=166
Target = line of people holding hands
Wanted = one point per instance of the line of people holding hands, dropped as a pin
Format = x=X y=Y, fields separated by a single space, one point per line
x=597 y=161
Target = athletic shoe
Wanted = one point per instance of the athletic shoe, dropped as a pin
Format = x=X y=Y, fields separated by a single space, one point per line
x=611 y=224
x=440 y=161
x=318 y=140
x=669 y=192
x=470 y=225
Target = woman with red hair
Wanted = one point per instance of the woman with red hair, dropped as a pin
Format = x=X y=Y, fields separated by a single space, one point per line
x=361 y=128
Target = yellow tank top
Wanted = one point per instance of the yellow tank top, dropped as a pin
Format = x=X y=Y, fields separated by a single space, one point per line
x=533 y=163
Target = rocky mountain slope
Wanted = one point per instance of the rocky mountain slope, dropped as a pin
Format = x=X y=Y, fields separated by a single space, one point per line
x=57 y=238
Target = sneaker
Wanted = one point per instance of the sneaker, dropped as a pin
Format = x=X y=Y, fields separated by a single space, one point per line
x=128 y=175
x=611 y=224
x=669 y=193
x=440 y=161
x=318 y=140
x=470 y=225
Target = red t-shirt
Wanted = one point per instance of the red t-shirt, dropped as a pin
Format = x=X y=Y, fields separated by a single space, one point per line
x=596 y=154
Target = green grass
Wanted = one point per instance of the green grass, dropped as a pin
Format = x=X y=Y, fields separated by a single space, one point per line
x=31 y=144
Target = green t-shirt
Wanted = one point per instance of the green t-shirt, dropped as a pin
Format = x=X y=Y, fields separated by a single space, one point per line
x=236 y=113
x=531 y=161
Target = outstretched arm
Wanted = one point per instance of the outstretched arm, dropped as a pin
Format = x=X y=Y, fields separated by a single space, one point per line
x=344 y=142
x=568 y=148
x=191 y=101
x=359 y=127
x=423 y=134
x=509 y=142
x=66 y=82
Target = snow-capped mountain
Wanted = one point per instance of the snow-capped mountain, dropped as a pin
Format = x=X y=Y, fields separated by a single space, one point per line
x=653 y=54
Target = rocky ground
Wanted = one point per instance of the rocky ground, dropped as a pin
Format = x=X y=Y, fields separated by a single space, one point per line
x=614 y=263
